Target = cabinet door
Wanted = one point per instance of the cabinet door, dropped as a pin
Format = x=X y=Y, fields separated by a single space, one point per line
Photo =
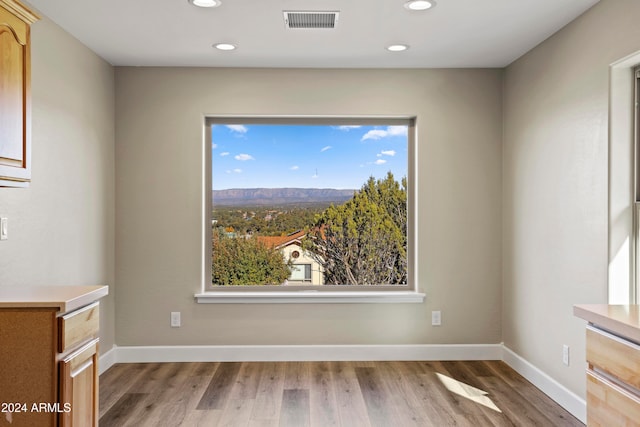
x=79 y=387
x=15 y=145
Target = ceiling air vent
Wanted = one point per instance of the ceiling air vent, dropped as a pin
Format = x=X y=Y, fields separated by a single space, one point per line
x=300 y=19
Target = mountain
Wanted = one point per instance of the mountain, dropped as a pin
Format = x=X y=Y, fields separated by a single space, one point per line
x=279 y=196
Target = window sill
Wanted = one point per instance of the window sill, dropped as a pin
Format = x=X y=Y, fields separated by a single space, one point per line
x=308 y=297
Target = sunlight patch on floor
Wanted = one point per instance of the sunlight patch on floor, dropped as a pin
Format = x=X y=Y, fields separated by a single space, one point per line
x=468 y=392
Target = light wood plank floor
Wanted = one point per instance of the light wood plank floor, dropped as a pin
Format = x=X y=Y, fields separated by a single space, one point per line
x=298 y=394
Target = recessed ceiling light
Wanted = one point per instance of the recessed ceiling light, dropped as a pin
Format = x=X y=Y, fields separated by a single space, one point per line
x=206 y=3
x=419 y=4
x=224 y=46
x=397 y=47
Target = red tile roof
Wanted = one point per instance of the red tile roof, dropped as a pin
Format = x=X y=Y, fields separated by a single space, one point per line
x=280 y=241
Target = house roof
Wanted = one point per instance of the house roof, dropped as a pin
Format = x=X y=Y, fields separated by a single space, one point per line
x=277 y=242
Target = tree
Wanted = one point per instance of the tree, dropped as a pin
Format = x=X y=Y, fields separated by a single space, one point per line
x=237 y=261
x=364 y=241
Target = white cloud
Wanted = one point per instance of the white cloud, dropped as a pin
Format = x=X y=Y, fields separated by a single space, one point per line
x=397 y=130
x=238 y=128
x=214 y=145
x=384 y=133
x=348 y=127
x=328 y=147
x=237 y=171
x=380 y=162
x=224 y=153
x=243 y=157
x=374 y=134
x=388 y=153
x=294 y=168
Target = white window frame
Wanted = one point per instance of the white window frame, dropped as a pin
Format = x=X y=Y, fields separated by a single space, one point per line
x=306 y=294
x=634 y=295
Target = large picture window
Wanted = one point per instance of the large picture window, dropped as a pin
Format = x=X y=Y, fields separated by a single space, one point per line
x=299 y=203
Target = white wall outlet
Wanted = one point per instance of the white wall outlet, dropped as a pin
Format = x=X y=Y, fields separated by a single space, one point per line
x=175 y=319
x=436 y=318
x=565 y=354
x=4 y=228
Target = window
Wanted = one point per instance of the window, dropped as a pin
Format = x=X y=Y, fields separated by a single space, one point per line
x=310 y=204
x=301 y=273
x=634 y=295
x=624 y=179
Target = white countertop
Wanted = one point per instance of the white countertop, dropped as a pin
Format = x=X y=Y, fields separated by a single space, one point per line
x=62 y=298
x=622 y=320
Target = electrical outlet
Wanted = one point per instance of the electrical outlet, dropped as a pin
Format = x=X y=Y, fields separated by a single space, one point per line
x=175 y=319
x=4 y=228
x=565 y=354
x=436 y=318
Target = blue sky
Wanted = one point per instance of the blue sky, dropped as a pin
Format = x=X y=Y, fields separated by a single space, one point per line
x=305 y=156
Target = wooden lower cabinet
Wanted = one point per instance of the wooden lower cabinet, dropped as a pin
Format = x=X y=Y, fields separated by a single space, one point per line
x=28 y=366
x=79 y=387
x=613 y=380
x=49 y=359
x=613 y=365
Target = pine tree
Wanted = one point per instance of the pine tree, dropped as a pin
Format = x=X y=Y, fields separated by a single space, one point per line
x=364 y=241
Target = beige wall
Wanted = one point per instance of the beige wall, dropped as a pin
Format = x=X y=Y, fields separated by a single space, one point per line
x=555 y=191
x=159 y=116
x=61 y=228
x=512 y=180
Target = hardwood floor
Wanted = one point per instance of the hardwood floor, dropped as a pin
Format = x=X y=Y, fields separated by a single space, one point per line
x=350 y=394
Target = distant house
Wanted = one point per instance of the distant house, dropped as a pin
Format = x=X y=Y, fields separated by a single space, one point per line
x=305 y=271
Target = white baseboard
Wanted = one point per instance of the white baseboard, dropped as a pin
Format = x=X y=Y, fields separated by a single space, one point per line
x=282 y=353
x=556 y=391
x=108 y=359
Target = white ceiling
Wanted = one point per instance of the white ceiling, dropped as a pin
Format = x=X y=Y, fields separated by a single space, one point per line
x=455 y=33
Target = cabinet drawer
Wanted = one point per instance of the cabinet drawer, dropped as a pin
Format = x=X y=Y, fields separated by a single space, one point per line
x=614 y=355
x=610 y=405
x=79 y=326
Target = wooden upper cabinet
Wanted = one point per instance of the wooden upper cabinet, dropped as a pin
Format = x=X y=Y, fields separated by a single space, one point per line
x=15 y=103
